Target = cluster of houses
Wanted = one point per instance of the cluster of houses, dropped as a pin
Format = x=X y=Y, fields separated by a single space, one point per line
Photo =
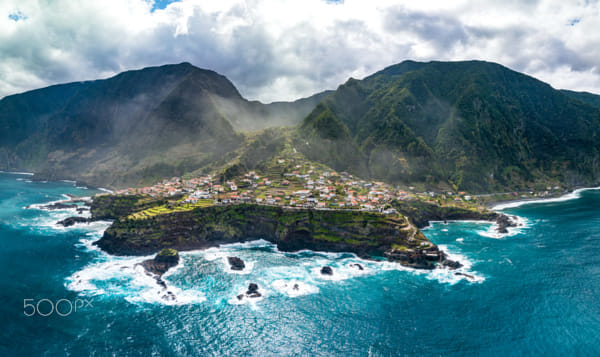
x=175 y=186
x=296 y=184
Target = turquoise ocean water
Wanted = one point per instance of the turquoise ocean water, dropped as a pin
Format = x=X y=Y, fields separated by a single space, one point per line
x=535 y=291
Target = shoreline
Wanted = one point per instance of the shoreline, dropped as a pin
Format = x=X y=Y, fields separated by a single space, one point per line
x=17 y=173
x=76 y=183
x=506 y=204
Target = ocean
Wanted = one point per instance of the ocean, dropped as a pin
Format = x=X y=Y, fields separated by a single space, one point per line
x=534 y=291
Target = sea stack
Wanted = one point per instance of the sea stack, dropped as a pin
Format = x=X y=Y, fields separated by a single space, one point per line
x=326 y=270
x=163 y=261
x=236 y=263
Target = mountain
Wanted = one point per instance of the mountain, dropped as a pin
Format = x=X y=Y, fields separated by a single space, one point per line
x=469 y=125
x=135 y=127
x=586 y=97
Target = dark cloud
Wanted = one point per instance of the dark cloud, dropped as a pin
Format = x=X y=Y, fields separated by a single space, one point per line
x=443 y=31
x=276 y=52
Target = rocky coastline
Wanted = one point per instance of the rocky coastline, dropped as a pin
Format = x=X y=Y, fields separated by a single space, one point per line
x=369 y=235
x=422 y=213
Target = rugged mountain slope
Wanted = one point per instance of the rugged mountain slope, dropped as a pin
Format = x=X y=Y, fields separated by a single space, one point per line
x=472 y=125
x=586 y=97
x=133 y=128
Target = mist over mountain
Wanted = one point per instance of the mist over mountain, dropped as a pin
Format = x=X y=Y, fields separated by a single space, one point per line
x=135 y=127
x=470 y=125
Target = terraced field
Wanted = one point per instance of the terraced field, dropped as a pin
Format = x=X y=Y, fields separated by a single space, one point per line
x=165 y=209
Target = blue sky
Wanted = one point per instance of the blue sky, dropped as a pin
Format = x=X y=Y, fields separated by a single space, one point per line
x=161 y=4
x=283 y=50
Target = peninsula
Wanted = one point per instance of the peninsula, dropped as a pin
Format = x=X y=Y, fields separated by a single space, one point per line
x=289 y=201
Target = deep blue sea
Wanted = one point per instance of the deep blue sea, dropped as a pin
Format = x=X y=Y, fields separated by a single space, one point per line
x=535 y=291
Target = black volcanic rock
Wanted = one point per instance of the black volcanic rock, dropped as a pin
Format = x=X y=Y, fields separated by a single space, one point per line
x=67 y=222
x=451 y=264
x=169 y=296
x=163 y=261
x=57 y=206
x=236 y=263
x=360 y=267
x=416 y=258
x=465 y=275
x=504 y=222
x=252 y=288
x=252 y=292
x=326 y=270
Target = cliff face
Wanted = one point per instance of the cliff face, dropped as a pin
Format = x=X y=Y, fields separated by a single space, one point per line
x=421 y=213
x=291 y=229
x=115 y=206
x=363 y=233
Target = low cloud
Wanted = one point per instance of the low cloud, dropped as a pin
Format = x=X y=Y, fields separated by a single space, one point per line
x=288 y=49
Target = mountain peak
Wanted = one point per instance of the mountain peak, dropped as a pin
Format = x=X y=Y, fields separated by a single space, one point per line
x=475 y=125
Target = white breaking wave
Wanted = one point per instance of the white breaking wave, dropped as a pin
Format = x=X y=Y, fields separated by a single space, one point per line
x=293 y=287
x=48 y=219
x=569 y=196
x=41 y=206
x=492 y=231
x=492 y=227
x=276 y=273
x=123 y=276
x=452 y=277
x=17 y=173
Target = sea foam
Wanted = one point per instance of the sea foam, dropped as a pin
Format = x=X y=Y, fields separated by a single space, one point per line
x=125 y=277
x=277 y=273
x=569 y=196
x=492 y=232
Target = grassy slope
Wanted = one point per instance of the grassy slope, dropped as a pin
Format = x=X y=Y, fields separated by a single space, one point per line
x=291 y=229
x=467 y=125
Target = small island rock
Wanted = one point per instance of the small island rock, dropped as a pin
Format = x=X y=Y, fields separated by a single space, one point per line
x=326 y=270
x=360 y=267
x=253 y=291
x=67 y=222
x=163 y=261
x=236 y=263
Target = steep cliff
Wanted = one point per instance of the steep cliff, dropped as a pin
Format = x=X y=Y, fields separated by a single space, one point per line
x=367 y=234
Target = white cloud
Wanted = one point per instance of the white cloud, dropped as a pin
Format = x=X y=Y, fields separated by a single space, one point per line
x=280 y=50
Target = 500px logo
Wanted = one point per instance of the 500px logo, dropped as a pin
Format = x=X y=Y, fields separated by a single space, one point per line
x=47 y=307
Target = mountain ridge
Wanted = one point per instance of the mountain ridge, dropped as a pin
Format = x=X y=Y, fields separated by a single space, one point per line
x=137 y=126
x=469 y=125
x=450 y=123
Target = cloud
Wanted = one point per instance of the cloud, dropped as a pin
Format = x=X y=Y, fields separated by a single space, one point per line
x=17 y=16
x=282 y=50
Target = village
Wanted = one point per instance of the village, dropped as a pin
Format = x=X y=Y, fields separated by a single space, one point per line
x=293 y=182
